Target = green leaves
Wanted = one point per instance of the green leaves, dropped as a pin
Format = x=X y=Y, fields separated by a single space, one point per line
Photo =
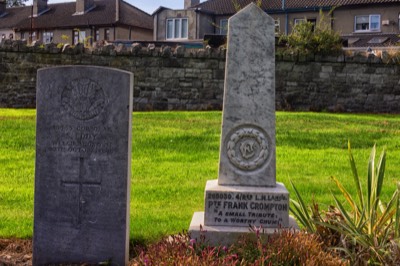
x=300 y=211
x=319 y=38
x=367 y=225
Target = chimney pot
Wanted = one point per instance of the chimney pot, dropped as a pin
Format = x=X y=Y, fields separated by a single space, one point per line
x=190 y=3
x=82 y=6
x=39 y=7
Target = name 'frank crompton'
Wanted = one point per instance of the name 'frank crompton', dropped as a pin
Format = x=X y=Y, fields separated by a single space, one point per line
x=254 y=206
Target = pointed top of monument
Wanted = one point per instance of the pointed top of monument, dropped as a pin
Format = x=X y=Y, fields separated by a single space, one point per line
x=253 y=12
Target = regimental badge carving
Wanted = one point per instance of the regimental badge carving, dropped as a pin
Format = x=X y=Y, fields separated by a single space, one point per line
x=248 y=148
x=83 y=98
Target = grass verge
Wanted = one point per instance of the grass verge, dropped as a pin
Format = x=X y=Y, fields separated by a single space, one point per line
x=175 y=153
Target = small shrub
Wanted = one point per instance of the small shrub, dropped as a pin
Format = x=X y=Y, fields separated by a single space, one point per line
x=307 y=38
x=181 y=250
x=284 y=248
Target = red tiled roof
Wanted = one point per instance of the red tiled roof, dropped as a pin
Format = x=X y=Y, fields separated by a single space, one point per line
x=226 y=7
x=61 y=16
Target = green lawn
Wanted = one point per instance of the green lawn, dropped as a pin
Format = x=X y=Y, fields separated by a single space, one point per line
x=175 y=153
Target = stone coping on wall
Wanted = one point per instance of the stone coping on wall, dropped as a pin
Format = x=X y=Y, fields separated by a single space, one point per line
x=136 y=49
x=388 y=56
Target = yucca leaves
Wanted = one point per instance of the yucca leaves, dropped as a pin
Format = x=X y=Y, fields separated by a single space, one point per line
x=365 y=221
x=301 y=211
x=356 y=178
x=397 y=220
x=380 y=173
x=370 y=175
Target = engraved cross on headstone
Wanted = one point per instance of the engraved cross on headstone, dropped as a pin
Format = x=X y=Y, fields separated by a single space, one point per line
x=81 y=183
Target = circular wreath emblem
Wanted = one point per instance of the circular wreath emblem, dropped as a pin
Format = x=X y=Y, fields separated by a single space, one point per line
x=83 y=99
x=247 y=148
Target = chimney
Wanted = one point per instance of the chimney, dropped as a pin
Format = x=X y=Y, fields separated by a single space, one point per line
x=190 y=3
x=3 y=4
x=83 y=6
x=39 y=7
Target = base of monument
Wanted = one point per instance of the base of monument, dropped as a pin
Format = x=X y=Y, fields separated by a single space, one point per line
x=239 y=206
x=226 y=235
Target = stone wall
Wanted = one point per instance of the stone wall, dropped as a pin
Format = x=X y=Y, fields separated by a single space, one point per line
x=347 y=83
x=185 y=79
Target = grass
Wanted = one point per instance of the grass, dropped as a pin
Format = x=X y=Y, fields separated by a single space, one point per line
x=175 y=153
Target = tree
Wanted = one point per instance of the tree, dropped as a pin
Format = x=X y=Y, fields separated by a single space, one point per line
x=11 y=3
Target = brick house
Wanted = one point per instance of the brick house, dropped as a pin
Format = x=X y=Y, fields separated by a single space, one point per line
x=74 y=22
x=361 y=22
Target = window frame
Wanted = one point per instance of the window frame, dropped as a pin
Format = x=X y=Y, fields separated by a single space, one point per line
x=47 y=34
x=96 y=35
x=399 y=21
x=223 y=29
x=313 y=21
x=79 y=36
x=370 y=29
x=299 y=20
x=277 y=26
x=174 y=31
x=107 y=34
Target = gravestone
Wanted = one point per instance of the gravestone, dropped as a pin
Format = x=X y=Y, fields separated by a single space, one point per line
x=246 y=192
x=82 y=175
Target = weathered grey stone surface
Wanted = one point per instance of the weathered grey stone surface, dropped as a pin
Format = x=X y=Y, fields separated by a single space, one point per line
x=82 y=179
x=226 y=235
x=247 y=151
x=246 y=193
x=243 y=206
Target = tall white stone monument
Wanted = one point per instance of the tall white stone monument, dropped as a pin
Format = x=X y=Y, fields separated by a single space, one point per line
x=246 y=192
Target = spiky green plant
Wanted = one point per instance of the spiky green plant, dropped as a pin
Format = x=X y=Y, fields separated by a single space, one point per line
x=301 y=211
x=368 y=228
x=368 y=222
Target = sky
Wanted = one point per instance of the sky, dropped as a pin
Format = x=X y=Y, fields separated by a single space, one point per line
x=148 y=6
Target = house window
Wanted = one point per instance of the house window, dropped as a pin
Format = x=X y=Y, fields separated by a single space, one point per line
x=313 y=21
x=79 y=36
x=177 y=28
x=277 y=26
x=22 y=35
x=97 y=35
x=47 y=37
x=76 y=37
x=107 y=34
x=368 y=23
x=223 y=26
x=299 y=21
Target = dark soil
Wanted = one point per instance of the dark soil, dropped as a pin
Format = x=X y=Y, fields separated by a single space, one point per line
x=19 y=252
x=15 y=252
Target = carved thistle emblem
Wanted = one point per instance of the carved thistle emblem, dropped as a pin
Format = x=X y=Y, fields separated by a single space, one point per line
x=83 y=98
x=247 y=148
